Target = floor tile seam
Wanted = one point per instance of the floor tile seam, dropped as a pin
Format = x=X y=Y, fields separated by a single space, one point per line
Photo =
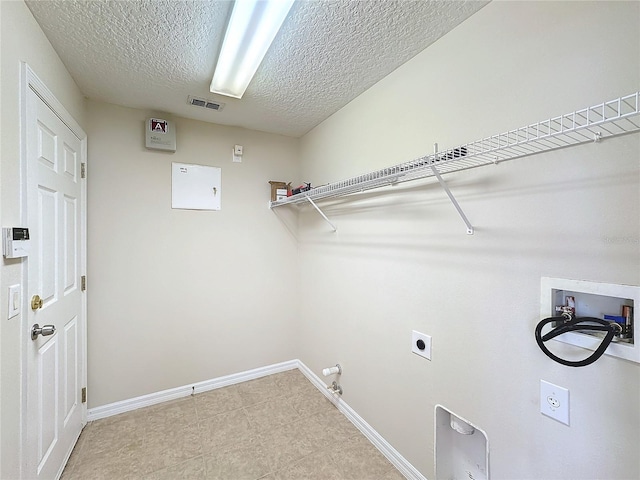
x=171 y=465
x=260 y=428
x=311 y=414
x=210 y=454
x=102 y=451
x=304 y=457
x=247 y=404
x=390 y=466
x=158 y=412
x=201 y=407
x=294 y=462
x=172 y=428
x=330 y=451
x=317 y=416
x=252 y=424
x=393 y=469
x=247 y=417
x=228 y=445
x=80 y=463
x=267 y=400
x=377 y=476
x=327 y=450
x=200 y=419
x=261 y=441
x=204 y=464
x=201 y=455
x=144 y=443
x=359 y=435
x=298 y=400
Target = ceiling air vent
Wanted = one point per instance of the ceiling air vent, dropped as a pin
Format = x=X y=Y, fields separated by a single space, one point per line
x=204 y=103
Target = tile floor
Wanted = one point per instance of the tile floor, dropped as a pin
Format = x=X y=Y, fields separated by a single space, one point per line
x=278 y=427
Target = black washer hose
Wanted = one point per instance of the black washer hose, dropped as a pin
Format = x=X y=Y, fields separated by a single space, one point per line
x=570 y=324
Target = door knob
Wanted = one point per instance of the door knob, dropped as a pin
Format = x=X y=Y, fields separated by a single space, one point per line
x=36 y=302
x=45 y=331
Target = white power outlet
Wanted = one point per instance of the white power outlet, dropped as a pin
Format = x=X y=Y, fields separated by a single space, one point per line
x=421 y=344
x=554 y=402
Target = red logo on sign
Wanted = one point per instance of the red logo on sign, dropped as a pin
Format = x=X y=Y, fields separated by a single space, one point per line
x=160 y=126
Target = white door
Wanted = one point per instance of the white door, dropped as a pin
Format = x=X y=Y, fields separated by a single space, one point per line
x=55 y=372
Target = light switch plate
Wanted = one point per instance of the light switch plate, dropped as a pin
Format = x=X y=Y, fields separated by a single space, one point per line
x=416 y=338
x=554 y=402
x=14 y=301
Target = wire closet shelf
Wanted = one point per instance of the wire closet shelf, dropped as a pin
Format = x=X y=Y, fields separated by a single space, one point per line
x=615 y=117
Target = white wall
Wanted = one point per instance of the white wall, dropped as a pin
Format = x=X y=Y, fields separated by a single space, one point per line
x=21 y=40
x=177 y=296
x=401 y=260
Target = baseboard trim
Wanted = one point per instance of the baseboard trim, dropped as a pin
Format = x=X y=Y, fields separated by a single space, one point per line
x=179 y=392
x=396 y=459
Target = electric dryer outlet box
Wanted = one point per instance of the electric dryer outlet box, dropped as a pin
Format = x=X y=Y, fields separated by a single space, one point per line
x=15 y=242
x=421 y=344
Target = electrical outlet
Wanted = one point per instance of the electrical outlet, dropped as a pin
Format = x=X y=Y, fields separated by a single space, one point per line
x=421 y=344
x=554 y=402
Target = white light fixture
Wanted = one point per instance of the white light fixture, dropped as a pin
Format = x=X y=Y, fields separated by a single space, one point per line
x=252 y=27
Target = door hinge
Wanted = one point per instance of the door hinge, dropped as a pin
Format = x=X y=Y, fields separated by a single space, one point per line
x=84 y=395
x=83 y=170
x=83 y=283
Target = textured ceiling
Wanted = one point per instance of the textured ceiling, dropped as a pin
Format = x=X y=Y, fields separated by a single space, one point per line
x=153 y=54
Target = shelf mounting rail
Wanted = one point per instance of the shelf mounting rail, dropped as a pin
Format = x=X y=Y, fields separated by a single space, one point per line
x=591 y=124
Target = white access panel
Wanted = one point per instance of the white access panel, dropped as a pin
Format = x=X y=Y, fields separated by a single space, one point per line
x=195 y=187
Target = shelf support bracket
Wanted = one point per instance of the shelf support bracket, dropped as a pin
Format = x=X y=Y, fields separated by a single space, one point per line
x=322 y=213
x=450 y=195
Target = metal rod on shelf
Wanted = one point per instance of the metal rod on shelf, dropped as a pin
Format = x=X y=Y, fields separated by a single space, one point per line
x=322 y=213
x=450 y=195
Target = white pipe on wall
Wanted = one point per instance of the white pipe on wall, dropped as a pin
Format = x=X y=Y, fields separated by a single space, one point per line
x=331 y=370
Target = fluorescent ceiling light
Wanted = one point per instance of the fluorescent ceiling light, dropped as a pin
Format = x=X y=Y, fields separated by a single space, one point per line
x=252 y=27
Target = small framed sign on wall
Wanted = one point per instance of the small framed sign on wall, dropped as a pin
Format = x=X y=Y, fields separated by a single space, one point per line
x=195 y=187
x=160 y=134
